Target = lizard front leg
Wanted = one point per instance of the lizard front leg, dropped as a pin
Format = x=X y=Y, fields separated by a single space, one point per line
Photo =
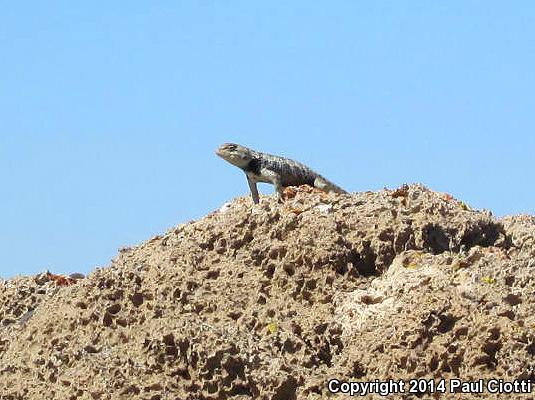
x=253 y=189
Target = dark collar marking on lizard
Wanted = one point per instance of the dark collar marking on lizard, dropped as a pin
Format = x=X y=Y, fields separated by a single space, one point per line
x=253 y=166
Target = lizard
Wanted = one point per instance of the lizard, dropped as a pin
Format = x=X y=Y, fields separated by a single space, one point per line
x=279 y=171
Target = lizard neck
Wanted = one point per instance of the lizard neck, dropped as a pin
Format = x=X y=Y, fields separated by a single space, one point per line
x=252 y=166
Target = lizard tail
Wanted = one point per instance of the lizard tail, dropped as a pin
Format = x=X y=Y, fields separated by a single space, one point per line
x=323 y=184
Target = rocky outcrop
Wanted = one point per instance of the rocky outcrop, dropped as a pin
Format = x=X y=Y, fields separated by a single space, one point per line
x=272 y=301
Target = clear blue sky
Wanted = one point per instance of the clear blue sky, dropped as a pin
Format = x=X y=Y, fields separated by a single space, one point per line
x=110 y=111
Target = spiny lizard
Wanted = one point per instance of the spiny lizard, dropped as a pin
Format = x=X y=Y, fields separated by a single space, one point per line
x=279 y=171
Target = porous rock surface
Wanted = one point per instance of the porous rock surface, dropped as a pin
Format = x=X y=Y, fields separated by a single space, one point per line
x=271 y=301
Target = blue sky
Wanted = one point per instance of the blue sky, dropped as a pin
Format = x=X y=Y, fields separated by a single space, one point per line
x=110 y=111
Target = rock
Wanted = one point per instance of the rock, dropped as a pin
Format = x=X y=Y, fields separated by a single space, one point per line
x=271 y=301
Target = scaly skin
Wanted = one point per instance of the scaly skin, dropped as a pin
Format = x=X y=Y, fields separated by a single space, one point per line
x=279 y=171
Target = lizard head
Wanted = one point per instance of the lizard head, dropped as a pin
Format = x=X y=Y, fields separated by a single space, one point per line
x=235 y=154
